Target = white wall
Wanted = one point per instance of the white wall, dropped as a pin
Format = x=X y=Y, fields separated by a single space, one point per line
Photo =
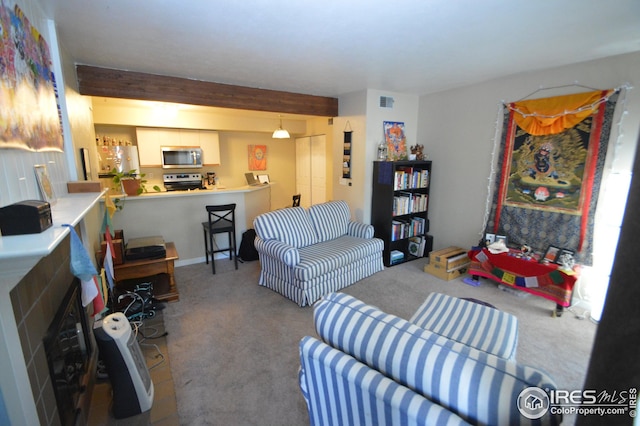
x=353 y=110
x=458 y=128
x=365 y=116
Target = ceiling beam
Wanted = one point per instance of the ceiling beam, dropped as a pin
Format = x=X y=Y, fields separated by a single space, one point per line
x=111 y=83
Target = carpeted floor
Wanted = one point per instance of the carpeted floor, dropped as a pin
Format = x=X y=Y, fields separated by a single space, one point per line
x=233 y=345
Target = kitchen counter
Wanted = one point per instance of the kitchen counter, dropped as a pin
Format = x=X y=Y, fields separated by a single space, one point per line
x=178 y=215
x=196 y=192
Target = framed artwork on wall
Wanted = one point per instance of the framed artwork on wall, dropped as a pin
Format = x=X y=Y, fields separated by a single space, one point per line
x=257 y=157
x=29 y=110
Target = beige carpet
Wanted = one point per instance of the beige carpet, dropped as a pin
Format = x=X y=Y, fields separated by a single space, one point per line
x=233 y=345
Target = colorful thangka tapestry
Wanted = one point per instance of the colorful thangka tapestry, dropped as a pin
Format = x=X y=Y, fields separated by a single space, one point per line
x=550 y=167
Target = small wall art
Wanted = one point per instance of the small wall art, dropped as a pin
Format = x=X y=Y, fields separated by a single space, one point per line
x=396 y=140
x=257 y=157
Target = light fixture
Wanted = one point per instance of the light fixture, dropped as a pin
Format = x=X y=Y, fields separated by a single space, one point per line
x=280 y=133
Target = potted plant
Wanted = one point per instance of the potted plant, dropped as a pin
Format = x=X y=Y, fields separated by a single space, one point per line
x=131 y=183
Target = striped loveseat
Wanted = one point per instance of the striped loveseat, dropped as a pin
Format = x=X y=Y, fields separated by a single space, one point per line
x=307 y=253
x=372 y=368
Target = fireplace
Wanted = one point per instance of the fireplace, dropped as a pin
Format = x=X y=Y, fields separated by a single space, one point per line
x=39 y=300
x=68 y=349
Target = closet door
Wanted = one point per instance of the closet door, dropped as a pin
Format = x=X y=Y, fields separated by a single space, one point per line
x=318 y=169
x=303 y=170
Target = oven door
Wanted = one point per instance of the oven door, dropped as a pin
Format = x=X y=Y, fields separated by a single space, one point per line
x=181 y=157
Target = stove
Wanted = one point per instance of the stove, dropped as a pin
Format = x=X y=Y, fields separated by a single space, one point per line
x=182 y=181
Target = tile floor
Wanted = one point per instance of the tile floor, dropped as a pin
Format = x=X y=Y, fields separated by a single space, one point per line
x=164 y=411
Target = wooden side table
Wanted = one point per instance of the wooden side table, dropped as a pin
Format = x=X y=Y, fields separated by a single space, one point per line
x=142 y=268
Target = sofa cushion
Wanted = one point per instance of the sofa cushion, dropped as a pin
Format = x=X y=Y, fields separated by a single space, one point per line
x=479 y=387
x=475 y=325
x=330 y=219
x=340 y=390
x=323 y=257
x=290 y=225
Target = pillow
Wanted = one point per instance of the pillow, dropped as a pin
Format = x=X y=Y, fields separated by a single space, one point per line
x=330 y=220
x=290 y=225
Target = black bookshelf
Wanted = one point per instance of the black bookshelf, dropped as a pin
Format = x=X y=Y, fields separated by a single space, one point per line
x=400 y=207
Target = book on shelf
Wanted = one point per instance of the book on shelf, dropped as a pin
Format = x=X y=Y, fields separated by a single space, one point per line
x=406 y=202
x=416 y=246
x=396 y=256
x=424 y=179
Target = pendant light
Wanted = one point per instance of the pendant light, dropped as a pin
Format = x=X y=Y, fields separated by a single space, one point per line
x=280 y=133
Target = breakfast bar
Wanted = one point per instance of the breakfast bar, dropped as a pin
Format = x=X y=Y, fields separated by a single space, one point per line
x=177 y=215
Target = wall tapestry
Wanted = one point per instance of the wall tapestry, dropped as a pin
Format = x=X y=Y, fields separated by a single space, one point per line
x=257 y=157
x=550 y=166
x=396 y=140
x=29 y=113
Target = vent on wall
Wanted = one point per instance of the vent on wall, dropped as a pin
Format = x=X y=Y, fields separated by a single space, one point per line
x=386 y=102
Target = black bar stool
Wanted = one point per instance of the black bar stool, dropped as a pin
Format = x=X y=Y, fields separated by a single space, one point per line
x=222 y=219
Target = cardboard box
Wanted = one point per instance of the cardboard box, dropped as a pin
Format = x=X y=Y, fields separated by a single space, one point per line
x=449 y=258
x=443 y=274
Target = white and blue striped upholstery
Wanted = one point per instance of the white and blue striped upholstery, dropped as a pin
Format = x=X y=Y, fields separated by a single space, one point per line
x=330 y=219
x=305 y=272
x=339 y=390
x=290 y=225
x=360 y=230
x=479 y=387
x=281 y=279
x=473 y=324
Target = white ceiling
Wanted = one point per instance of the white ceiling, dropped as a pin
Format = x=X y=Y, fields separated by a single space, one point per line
x=332 y=47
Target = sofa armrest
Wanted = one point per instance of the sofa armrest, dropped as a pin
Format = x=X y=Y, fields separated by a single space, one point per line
x=360 y=230
x=284 y=252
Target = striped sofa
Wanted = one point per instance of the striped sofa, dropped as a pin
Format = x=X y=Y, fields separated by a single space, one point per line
x=372 y=368
x=307 y=253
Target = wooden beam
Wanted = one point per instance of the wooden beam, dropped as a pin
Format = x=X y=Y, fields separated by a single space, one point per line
x=94 y=81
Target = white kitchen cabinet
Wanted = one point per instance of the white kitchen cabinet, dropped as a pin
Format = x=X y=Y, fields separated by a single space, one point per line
x=150 y=141
x=210 y=143
x=188 y=138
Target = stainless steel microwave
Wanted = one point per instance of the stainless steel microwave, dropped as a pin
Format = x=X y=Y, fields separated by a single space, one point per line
x=181 y=157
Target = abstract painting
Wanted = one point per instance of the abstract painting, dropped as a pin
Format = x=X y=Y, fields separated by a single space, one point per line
x=29 y=111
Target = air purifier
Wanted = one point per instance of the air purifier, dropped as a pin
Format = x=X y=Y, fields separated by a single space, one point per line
x=130 y=380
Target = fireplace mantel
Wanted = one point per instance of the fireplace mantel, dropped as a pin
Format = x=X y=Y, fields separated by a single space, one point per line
x=18 y=255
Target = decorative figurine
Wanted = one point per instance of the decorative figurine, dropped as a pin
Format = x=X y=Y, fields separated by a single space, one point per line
x=382 y=152
x=526 y=252
x=417 y=151
x=566 y=261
